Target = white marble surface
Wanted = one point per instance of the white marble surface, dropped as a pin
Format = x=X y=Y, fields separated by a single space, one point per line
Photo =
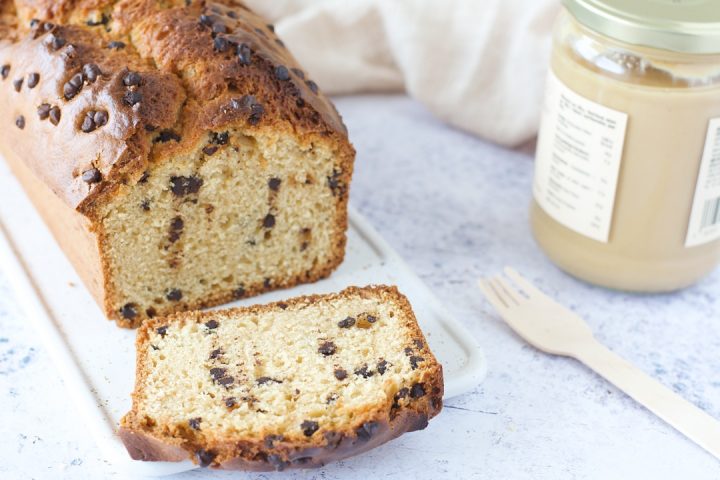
x=456 y=209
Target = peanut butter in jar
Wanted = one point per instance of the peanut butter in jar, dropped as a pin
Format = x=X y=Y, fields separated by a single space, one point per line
x=627 y=176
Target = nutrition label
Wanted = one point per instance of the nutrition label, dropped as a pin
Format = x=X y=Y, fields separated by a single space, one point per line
x=578 y=159
x=705 y=216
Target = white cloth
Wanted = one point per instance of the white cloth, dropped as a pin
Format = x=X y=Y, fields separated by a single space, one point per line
x=478 y=64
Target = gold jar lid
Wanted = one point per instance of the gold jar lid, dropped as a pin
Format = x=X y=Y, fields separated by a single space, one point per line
x=690 y=26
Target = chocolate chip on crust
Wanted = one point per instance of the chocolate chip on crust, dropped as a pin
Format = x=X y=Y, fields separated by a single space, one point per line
x=91 y=175
x=91 y=72
x=417 y=391
x=366 y=431
x=55 y=42
x=205 y=457
x=414 y=360
x=312 y=86
x=327 y=348
x=271 y=439
x=132 y=98
x=129 y=311
x=309 y=427
x=33 y=80
x=244 y=54
x=221 y=44
x=212 y=324
x=167 y=135
x=239 y=292
x=195 y=423
x=132 y=79
x=162 y=331
x=282 y=73
x=210 y=149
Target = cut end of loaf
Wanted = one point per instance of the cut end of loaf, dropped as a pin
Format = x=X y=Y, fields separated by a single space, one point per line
x=291 y=384
x=237 y=215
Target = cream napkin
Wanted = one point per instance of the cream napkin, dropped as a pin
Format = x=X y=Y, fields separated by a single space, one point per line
x=478 y=64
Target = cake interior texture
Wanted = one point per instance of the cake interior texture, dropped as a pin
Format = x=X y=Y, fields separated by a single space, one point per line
x=296 y=373
x=237 y=215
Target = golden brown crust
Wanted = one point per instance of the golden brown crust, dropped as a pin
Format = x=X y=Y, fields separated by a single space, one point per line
x=146 y=440
x=186 y=86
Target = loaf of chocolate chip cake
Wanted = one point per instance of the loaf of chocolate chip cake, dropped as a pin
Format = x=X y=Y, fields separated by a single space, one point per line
x=291 y=384
x=176 y=150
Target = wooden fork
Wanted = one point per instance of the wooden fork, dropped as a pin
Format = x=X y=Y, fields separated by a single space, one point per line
x=554 y=329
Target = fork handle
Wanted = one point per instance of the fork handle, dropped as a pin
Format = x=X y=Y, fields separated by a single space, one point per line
x=688 y=419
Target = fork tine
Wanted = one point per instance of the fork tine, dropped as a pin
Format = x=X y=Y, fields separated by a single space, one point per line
x=523 y=283
x=492 y=296
x=510 y=292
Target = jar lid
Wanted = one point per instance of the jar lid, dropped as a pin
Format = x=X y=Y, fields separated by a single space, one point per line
x=691 y=26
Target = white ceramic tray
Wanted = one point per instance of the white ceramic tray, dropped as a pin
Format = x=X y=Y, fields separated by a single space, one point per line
x=96 y=359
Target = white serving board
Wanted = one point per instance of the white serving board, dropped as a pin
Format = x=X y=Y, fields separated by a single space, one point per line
x=96 y=359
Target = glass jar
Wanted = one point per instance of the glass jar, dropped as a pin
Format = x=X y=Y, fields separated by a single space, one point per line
x=627 y=175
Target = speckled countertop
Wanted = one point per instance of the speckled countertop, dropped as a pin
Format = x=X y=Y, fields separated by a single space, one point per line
x=455 y=208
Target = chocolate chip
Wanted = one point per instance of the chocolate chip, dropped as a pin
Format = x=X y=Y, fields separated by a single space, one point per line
x=281 y=73
x=17 y=83
x=225 y=381
x=266 y=380
x=176 y=227
x=267 y=282
x=129 y=311
x=91 y=72
x=418 y=343
x=230 y=402
x=132 y=79
x=280 y=42
x=312 y=86
x=34 y=22
x=347 y=323
x=274 y=184
x=132 y=98
x=216 y=353
x=20 y=122
x=408 y=351
x=4 y=71
x=174 y=295
x=55 y=115
x=217 y=372
x=327 y=348
x=155 y=347
x=144 y=177
x=206 y=21
x=417 y=391
x=271 y=27
x=88 y=124
x=414 y=360
x=212 y=324
x=244 y=54
x=150 y=312
x=195 y=423
x=238 y=292
x=55 y=42
x=100 y=118
x=205 y=457
x=382 y=366
x=116 y=45
x=43 y=111
x=104 y=20
x=364 y=372
x=162 y=331
x=181 y=186
x=221 y=44
x=73 y=86
x=167 y=135
x=269 y=221
x=220 y=138
x=210 y=149
x=33 y=80
x=298 y=72
x=271 y=439
x=366 y=431
x=47 y=26
x=309 y=427
x=340 y=374
x=371 y=319
x=91 y=175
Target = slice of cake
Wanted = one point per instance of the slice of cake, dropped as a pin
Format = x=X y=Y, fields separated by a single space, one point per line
x=292 y=384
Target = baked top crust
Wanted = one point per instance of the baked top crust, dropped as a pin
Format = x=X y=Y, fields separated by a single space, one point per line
x=93 y=91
